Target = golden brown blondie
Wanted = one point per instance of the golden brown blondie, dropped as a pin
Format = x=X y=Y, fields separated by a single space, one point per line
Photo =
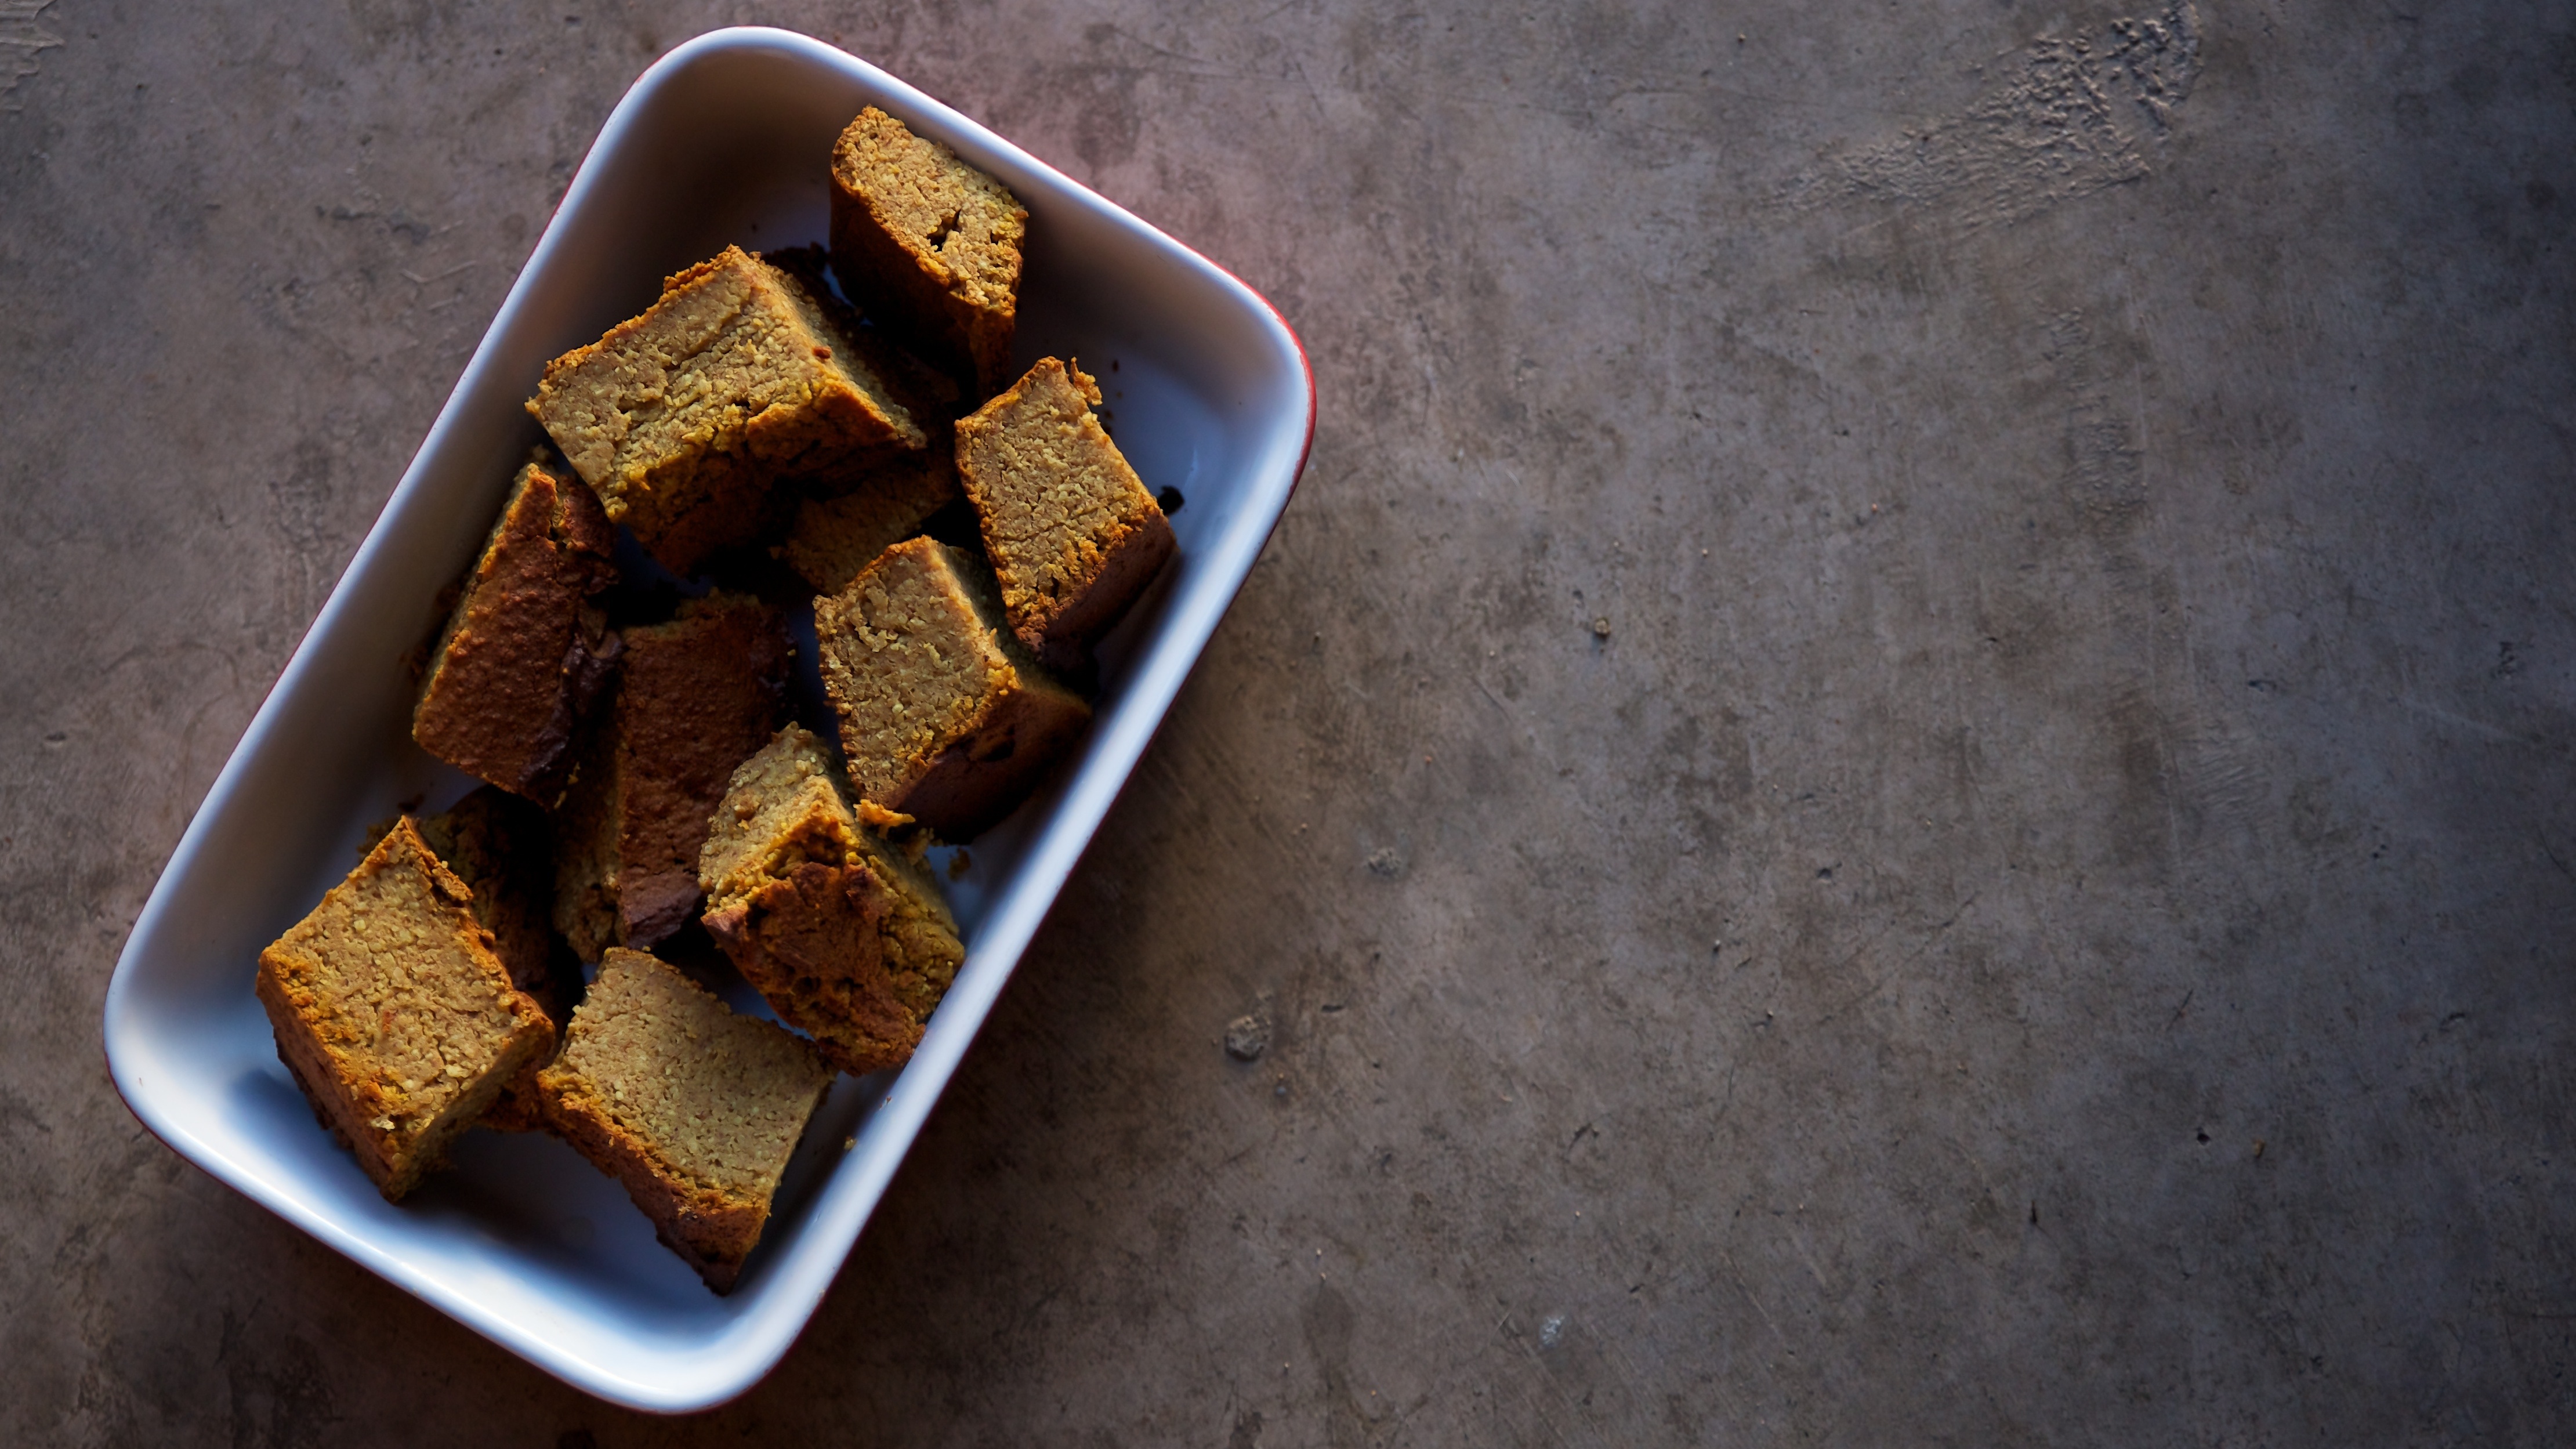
x=943 y=715
x=845 y=934
x=682 y=418
x=694 y=1109
x=524 y=651
x=928 y=242
x=393 y=1014
x=1072 y=533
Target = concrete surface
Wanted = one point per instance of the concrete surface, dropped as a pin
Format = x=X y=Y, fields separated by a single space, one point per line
x=1903 y=775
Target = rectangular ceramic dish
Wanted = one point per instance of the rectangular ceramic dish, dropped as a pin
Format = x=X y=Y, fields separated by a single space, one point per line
x=726 y=139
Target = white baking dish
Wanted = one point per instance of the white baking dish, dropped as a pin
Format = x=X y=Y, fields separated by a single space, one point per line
x=726 y=139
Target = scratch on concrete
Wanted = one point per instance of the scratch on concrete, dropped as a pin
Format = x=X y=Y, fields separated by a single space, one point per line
x=1879 y=983
x=2070 y=119
x=21 y=38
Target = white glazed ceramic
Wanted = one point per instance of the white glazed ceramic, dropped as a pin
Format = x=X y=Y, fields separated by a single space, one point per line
x=726 y=139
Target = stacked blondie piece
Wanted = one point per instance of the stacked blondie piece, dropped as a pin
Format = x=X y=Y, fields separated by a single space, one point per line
x=840 y=437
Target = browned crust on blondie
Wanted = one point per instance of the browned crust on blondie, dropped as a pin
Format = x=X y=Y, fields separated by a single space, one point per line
x=929 y=242
x=845 y=936
x=1072 y=533
x=523 y=653
x=809 y=943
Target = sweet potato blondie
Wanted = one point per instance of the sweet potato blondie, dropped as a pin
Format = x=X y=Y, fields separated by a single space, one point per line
x=693 y=698
x=844 y=934
x=943 y=715
x=694 y=1109
x=524 y=651
x=1072 y=533
x=393 y=1014
x=926 y=241
x=682 y=418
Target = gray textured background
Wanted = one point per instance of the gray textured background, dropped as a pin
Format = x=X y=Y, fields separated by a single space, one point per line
x=1903 y=772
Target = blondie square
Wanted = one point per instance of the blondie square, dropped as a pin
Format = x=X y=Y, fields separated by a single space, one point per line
x=929 y=243
x=845 y=935
x=682 y=418
x=393 y=1014
x=524 y=651
x=695 y=1110
x=1072 y=533
x=693 y=698
x=943 y=716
